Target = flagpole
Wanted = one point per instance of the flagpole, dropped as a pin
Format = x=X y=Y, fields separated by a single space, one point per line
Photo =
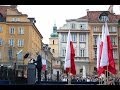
x=69 y=78
x=99 y=81
x=107 y=75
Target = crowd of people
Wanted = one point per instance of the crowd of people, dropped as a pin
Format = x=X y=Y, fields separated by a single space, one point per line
x=88 y=79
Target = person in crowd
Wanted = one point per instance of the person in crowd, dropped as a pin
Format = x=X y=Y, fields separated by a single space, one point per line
x=38 y=66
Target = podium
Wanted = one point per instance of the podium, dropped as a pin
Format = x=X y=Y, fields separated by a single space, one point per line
x=31 y=73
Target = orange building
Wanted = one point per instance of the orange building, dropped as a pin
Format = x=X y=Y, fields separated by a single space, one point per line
x=18 y=35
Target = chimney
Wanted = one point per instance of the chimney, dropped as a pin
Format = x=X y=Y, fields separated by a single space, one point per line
x=87 y=10
x=110 y=9
x=13 y=6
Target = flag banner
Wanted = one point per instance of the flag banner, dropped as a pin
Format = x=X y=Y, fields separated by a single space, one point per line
x=43 y=64
x=69 y=65
x=99 y=51
x=105 y=53
x=100 y=70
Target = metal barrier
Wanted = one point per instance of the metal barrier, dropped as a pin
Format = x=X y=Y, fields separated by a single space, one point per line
x=61 y=82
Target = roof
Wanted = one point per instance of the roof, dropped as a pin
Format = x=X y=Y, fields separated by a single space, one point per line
x=54 y=35
x=93 y=16
x=84 y=17
x=3 y=10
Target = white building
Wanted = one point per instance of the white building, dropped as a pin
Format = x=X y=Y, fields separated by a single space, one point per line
x=79 y=32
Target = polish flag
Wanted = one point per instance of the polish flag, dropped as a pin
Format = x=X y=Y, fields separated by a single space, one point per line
x=107 y=59
x=69 y=65
x=98 y=54
x=43 y=64
x=100 y=70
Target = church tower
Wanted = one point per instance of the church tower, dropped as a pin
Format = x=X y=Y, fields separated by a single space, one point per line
x=53 y=43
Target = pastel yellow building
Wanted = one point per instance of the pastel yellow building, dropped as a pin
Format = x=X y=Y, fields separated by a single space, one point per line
x=53 y=43
x=18 y=35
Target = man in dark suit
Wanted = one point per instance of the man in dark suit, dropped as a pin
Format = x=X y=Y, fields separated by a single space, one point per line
x=39 y=66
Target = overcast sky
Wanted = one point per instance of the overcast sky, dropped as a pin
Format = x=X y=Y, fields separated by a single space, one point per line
x=47 y=15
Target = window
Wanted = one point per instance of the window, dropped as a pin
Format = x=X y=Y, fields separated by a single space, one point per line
x=113 y=40
x=53 y=42
x=20 y=43
x=95 y=40
x=10 y=53
x=64 y=37
x=110 y=29
x=53 y=50
x=114 y=29
x=82 y=37
x=21 y=30
x=63 y=51
x=12 y=30
x=82 y=52
x=73 y=26
x=11 y=42
x=74 y=37
x=95 y=52
x=1 y=41
x=115 y=54
x=104 y=18
x=0 y=29
x=15 y=19
x=20 y=56
x=95 y=29
x=82 y=26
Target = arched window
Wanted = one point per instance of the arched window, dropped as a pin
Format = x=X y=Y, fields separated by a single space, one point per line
x=53 y=42
x=53 y=50
x=103 y=17
x=73 y=26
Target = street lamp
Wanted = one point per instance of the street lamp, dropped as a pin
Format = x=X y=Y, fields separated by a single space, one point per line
x=23 y=61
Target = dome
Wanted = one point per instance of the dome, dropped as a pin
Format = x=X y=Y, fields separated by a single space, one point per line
x=54 y=35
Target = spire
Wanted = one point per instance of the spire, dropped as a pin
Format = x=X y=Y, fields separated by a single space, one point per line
x=110 y=9
x=54 y=33
x=54 y=28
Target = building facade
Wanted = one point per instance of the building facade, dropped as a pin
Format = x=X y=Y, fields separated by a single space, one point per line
x=85 y=31
x=96 y=20
x=53 y=43
x=18 y=35
x=80 y=33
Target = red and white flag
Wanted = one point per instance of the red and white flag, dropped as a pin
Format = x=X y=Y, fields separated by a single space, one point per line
x=98 y=52
x=106 y=57
x=111 y=66
x=100 y=70
x=43 y=64
x=69 y=65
